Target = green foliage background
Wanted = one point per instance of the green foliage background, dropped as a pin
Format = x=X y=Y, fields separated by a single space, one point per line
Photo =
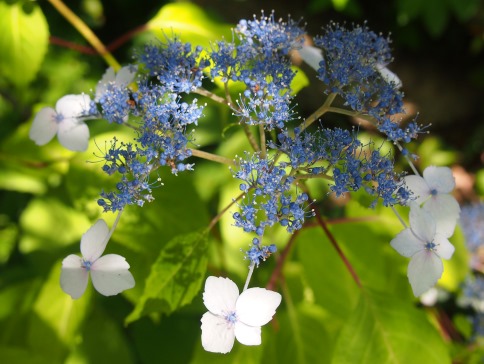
x=48 y=200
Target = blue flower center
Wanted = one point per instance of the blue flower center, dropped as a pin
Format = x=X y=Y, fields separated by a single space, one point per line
x=430 y=246
x=231 y=317
x=433 y=192
x=59 y=118
x=86 y=264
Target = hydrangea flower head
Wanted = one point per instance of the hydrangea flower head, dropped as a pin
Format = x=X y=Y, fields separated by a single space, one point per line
x=425 y=242
x=66 y=120
x=231 y=315
x=433 y=190
x=109 y=273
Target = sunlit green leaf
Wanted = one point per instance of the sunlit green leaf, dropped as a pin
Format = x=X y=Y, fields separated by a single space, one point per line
x=385 y=329
x=176 y=276
x=23 y=42
x=57 y=318
x=188 y=21
x=48 y=223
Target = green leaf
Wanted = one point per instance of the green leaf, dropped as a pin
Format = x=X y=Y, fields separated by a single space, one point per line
x=331 y=284
x=19 y=355
x=189 y=22
x=175 y=278
x=299 y=82
x=301 y=337
x=57 y=318
x=101 y=331
x=457 y=268
x=384 y=329
x=435 y=16
x=23 y=42
x=49 y=223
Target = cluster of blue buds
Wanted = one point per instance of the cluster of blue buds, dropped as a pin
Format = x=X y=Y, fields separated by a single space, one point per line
x=258 y=252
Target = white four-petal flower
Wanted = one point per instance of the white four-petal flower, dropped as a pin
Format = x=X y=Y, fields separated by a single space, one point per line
x=109 y=273
x=65 y=121
x=120 y=79
x=425 y=242
x=232 y=316
x=433 y=190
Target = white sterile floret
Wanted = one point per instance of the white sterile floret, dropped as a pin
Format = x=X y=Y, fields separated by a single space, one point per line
x=232 y=316
x=121 y=79
x=311 y=55
x=109 y=273
x=425 y=242
x=66 y=120
x=433 y=190
x=389 y=76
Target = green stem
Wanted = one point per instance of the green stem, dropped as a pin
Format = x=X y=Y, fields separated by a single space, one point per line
x=319 y=112
x=111 y=231
x=263 y=148
x=211 y=95
x=211 y=157
x=251 y=270
x=86 y=32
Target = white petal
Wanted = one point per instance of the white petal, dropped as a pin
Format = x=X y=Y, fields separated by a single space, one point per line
x=217 y=335
x=406 y=243
x=73 y=278
x=389 y=76
x=220 y=295
x=73 y=134
x=247 y=335
x=71 y=106
x=439 y=178
x=419 y=187
x=44 y=126
x=422 y=223
x=311 y=55
x=256 y=306
x=424 y=270
x=93 y=242
x=126 y=75
x=103 y=83
x=445 y=210
x=444 y=248
x=110 y=275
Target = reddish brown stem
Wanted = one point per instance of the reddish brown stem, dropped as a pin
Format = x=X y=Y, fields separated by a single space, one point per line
x=71 y=45
x=91 y=51
x=277 y=273
x=333 y=241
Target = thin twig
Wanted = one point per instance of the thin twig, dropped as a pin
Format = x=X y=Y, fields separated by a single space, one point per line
x=86 y=32
x=211 y=157
x=338 y=249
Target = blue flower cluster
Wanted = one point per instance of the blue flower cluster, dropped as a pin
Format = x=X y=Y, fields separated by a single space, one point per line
x=472 y=223
x=351 y=67
x=258 y=252
x=268 y=199
x=257 y=63
x=162 y=116
x=353 y=165
x=176 y=65
x=134 y=186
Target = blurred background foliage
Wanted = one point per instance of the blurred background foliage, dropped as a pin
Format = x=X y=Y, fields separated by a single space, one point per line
x=48 y=196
